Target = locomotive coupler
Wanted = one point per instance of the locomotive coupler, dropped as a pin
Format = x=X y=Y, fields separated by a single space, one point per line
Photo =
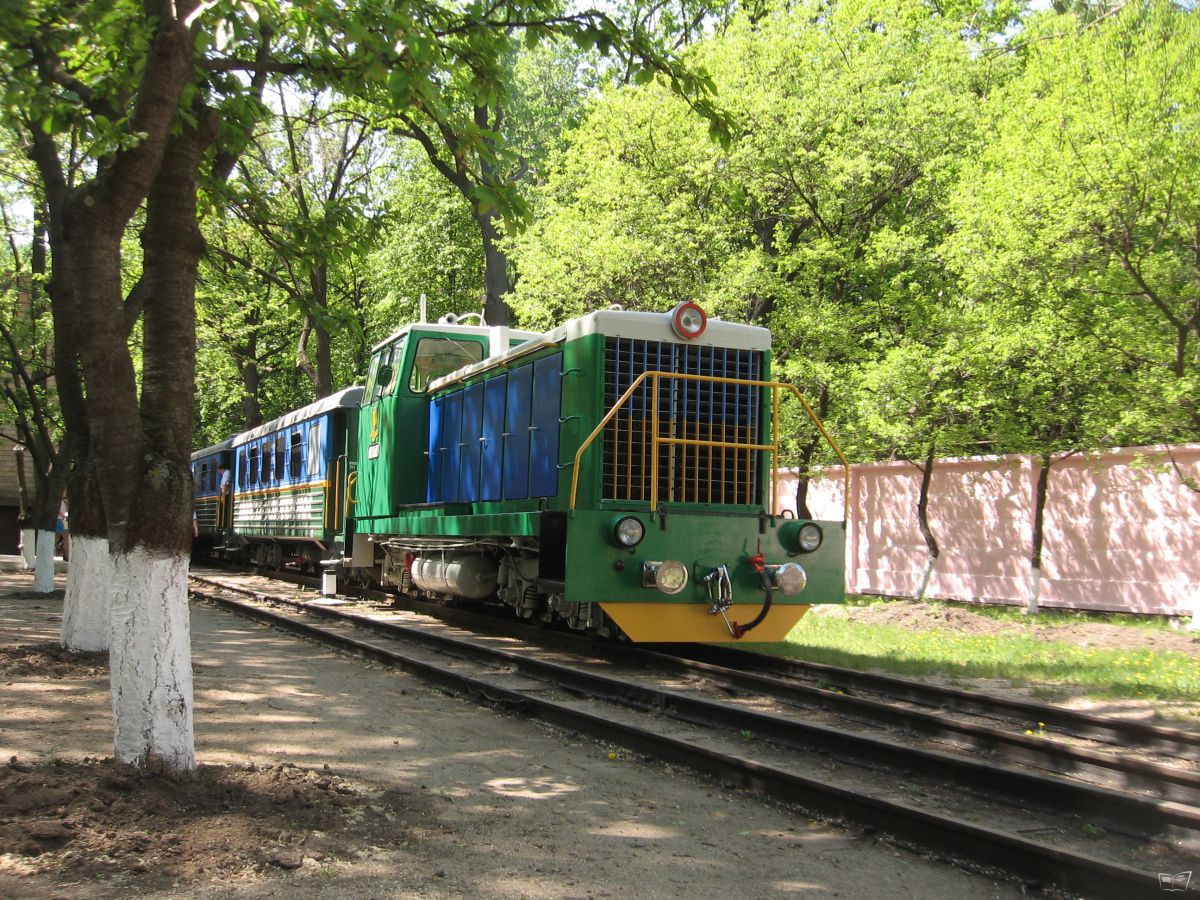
x=720 y=594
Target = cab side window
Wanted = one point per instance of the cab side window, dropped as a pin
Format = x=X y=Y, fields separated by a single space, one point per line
x=382 y=378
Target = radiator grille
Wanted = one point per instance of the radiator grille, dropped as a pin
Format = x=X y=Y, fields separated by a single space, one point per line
x=694 y=410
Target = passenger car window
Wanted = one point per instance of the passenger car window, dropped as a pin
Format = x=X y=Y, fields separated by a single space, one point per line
x=294 y=456
x=314 y=448
x=436 y=357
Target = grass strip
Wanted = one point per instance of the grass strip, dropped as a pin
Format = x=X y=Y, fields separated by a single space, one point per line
x=1054 y=668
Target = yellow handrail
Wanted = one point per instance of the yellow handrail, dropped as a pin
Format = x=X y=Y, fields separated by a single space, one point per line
x=325 y=503
x=656 y=439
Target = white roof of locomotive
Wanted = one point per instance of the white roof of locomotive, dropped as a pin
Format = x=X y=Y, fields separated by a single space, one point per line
x=347 y=397
x=448 y=329
x=647 y=326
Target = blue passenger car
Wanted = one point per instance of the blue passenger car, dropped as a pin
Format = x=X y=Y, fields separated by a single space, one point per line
x=289 y=482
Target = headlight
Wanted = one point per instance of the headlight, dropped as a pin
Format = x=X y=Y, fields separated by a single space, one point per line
x=810 y=537
x=628 y=531
x=800 y=537
x=688 y=320
x=669 y=576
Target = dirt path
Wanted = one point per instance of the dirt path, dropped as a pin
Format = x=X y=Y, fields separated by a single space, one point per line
x=327 y=777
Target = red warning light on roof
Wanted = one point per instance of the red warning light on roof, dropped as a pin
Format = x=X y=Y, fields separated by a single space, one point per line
x=688 y=320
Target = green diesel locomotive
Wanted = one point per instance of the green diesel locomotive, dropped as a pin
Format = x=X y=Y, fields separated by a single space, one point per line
x=616 y=473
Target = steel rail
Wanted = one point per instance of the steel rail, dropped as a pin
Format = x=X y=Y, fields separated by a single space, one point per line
x=1170 y=782
x=1176 y=742
x=1023 y=856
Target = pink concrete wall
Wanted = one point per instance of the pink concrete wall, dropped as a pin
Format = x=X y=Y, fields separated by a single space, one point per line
x=1122 y=533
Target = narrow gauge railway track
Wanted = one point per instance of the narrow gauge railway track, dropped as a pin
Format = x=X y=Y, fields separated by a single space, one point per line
x=996 y=725
x=551 y=691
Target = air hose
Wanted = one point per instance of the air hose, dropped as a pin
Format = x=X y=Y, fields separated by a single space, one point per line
x=768 y=590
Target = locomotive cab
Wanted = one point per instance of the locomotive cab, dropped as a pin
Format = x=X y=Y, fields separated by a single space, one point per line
x=393 y=424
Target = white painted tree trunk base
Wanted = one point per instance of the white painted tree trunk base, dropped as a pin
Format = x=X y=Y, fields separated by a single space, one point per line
x=926 y=575
x=28 y=537
x=89 y=595
x=1035 y=590
x=43 y=573
x=150 y=661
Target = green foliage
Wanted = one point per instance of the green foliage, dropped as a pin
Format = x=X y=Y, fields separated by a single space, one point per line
x=821 y=220
x=86 y=49
x=963 y=227
x=288 y=240
x=431 y=248
x=632 y=214
x=1076 y=223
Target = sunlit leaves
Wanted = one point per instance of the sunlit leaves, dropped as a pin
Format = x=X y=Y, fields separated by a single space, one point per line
x=1082 y=208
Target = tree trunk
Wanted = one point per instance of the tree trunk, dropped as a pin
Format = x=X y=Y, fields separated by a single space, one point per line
x=251 y=382
x=804 y=471
x=45 y=517
x=804 y=479
x=47 y=499
x=138 y=447
x=43 y=572
x=88 y=601
x=931 y=543
x=496 y=283
x=320 y=286
x=1039 y=518
x=495 y=271
x=764 y=229
x=150 y=656
x=319 y=374
x=28 y=547
x=324 y=386
x=25 y=517
x=150 y=660
x=88 y=604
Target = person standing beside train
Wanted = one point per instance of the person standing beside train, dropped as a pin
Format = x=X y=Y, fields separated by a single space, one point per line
x=223 y=495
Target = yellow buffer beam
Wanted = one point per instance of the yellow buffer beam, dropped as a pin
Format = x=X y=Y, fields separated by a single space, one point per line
x=691 y=622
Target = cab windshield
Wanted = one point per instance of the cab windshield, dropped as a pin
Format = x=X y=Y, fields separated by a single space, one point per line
x=437 y=356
